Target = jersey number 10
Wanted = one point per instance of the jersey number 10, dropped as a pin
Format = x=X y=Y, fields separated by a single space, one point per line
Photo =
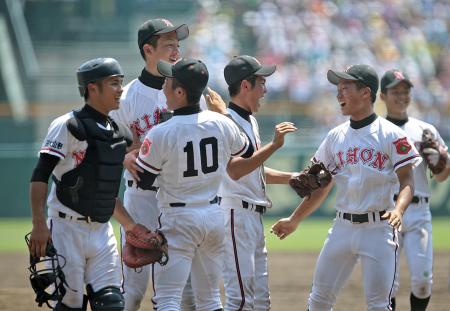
x=189 y=149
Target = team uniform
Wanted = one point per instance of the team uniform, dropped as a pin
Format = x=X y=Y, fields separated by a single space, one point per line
x=141 y=107
x=89 y=246
x=365 y=157
x=245 y=255
x=416 y=234
x=189 y=154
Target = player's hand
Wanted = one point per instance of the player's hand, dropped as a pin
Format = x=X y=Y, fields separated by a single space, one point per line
x=281 y=130
x=214 y=101
x=283 y=227
x=136 y=141
x=394 y=218
x=130 y=164
x=40 y=235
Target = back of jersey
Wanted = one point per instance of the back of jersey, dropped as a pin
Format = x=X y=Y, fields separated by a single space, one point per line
x=190 y=153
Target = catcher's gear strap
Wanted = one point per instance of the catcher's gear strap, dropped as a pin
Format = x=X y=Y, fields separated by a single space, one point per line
x=105 y=299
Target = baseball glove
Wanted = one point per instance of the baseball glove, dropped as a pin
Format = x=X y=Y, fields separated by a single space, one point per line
x=311 y=178
x=432 y=152
x=143 y=247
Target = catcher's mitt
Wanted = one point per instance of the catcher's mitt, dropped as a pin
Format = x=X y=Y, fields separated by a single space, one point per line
x=432 y=152
x=143 y=247
x=311 y=178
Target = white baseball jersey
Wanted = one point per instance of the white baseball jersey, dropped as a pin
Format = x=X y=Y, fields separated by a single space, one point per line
x=365 y=161
x=251 y=187
x=190 y=153
x=414 y=129
x=140 y=109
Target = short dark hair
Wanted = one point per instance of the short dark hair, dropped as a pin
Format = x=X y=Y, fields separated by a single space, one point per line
x=100 y=87
x=235 y=88
x=192 y=98
x=360 y=85
x=153 y=41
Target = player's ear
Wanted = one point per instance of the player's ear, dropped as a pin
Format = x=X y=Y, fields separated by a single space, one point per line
x=148 y=49
x=383 y=96
x=92 y=88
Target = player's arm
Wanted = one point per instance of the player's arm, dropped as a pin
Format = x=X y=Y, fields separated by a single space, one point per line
x=239 y=167
x=406 y=179
x=122 y=216
x=277 y=177
x=285 y=226
x=40 y=234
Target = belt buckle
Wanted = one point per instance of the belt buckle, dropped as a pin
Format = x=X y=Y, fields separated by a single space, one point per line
x=88 y=219
x=355 y=221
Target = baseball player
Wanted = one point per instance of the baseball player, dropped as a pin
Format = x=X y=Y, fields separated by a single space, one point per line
x=189 y=154
x=416 y=234
x=143 y=105
x=368 y=155
x=243 y=198
x=84 y=150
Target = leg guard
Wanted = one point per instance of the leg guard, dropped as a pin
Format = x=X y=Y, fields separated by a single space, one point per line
x=106 y=299
x=418 y=304
x=62 y=307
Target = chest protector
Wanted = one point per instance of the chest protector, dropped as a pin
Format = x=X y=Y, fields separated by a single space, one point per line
x=92 y=187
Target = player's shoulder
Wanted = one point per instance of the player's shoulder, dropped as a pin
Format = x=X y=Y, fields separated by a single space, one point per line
x=390 y=130
x=62 y=120
x=339 y=129
x=422 y=124
x=130 y=89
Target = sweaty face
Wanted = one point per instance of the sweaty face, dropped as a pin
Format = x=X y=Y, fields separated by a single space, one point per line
x=351 y=100
x=397 y=99
x=107 y=96
x=257 y=93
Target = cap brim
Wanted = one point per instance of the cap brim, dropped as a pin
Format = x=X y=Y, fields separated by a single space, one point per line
x=265 y=71
x=181 y=30
x=165 y=69
x=335 y=76
x=396 y=82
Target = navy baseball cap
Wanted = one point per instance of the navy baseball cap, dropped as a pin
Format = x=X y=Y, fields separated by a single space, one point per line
x=192 y=73
x=392 y=78
x=362 y=73
x=241 y=67
x=159 y=26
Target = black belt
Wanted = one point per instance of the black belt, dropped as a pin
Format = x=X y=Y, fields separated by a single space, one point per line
x=181 y=204
x=359 y=218
x=257 y=208
x=415 y=199
x=131 y=182
x=65 y=216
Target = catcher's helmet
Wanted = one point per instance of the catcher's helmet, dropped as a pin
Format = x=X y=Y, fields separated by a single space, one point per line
x=47 y=278
x=96 y=69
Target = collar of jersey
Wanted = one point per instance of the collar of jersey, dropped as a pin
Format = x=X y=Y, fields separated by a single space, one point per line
x=240 y=111
x=356 y=125
x=187 y=110
x=94 y=114
x=398 y=122
x=150 y=80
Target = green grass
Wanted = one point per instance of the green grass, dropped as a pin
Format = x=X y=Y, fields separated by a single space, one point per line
x=309 y=236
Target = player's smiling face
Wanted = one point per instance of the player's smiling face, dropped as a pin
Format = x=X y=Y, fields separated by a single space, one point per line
x=106 y=97
x=397 y=99
x=352 y=100
x=168 y=48
x=257 y=93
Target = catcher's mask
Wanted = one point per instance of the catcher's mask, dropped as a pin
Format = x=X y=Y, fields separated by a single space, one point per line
x=47 y=277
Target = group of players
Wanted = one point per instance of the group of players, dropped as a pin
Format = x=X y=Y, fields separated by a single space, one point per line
x=200 y=179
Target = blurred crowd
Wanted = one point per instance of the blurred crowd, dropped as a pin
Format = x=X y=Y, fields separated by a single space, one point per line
x=306 y=38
